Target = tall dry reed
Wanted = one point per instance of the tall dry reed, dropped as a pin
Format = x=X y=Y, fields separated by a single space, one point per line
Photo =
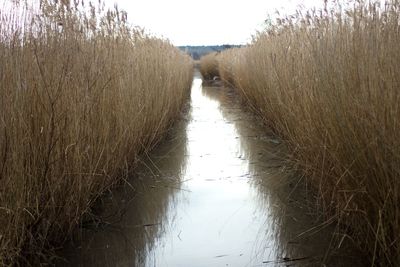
x=81 y=94
x=226 y=63
x=328 y=82
x=209 y=66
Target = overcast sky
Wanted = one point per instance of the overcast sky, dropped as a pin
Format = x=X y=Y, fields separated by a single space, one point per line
x=205 y=22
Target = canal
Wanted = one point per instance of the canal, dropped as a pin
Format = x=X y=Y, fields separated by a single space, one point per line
x=216 y=192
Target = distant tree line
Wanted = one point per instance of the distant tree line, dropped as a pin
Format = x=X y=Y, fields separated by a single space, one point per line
x=196 y=52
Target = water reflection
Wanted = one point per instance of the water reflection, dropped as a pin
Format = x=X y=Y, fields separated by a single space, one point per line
x=135 y=216
x=216 y=193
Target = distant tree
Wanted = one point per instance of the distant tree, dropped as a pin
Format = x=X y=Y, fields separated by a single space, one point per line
x=195 y=55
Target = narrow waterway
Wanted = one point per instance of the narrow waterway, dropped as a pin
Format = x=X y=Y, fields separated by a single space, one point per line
x=216 y=192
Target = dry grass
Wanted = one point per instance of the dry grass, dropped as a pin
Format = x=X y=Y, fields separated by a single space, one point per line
x=81 y=94
x=226 y=63
x=209 y=66
x=328 y=82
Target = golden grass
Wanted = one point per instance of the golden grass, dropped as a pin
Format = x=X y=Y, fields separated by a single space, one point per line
x=81 y=94
x=209 y=66
x=226 y=63
x=328 y=83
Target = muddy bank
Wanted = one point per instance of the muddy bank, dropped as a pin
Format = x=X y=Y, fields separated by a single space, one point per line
x=217 y=192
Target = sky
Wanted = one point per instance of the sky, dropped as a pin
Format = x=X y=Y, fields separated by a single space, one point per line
x=205 y=22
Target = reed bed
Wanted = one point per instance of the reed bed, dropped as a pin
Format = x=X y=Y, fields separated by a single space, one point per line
x=226 y=63
x=327 y=81
x=209 y=66
x=82 y=93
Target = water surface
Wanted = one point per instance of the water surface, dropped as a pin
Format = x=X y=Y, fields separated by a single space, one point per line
x=216 y=192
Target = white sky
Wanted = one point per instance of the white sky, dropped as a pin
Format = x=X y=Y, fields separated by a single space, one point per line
x=205 y=22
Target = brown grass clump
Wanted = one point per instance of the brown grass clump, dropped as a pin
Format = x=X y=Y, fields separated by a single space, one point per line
x=81 y=94
x=226 y=63
x=328 y=82
x=209 y=66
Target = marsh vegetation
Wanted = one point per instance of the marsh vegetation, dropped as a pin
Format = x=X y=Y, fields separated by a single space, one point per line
x=216 y=192
x=82 y=93
x=327 y=82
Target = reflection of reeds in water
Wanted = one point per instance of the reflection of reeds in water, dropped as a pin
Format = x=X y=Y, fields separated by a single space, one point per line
x=140 y=211
x=293 y=229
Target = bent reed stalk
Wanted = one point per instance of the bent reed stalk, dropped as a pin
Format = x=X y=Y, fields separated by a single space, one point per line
x=81 y=94
x=328 y=83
